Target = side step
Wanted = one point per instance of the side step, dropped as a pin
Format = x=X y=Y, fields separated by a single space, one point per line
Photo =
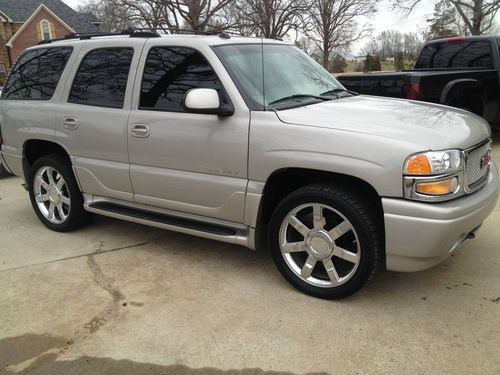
x=166 y=219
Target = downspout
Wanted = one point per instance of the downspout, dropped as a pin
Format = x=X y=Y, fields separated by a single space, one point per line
x=10 y=56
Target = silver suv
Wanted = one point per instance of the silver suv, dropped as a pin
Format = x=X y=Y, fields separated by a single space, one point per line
x=246 y=141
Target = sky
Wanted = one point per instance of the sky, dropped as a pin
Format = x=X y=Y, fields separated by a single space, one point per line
x=385 y=19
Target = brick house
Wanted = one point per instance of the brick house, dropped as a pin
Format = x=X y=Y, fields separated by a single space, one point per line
x=24 y=23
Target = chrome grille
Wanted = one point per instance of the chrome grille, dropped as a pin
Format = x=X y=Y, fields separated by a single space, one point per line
x=474 y=157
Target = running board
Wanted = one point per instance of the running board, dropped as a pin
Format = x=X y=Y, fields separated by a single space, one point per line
x=215 y=231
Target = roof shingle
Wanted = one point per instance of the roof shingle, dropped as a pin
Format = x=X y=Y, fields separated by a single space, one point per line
x=20 y=11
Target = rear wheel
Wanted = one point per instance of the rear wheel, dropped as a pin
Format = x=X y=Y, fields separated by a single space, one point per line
x=55 y=195
x=325 y=241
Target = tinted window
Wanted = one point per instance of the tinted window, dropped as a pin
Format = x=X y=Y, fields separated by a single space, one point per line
x=102 y=78
x=170 y=72
x=475 y=54
x=36 y=74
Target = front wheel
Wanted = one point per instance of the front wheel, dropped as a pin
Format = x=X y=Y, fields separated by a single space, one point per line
x=55 y=195
x=325 y=241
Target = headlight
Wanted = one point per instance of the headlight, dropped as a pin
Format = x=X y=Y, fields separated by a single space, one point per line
x=434 y=162
x=434 y=175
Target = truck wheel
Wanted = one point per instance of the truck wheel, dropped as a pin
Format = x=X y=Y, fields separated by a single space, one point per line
x=55 y=195
x=325 y=241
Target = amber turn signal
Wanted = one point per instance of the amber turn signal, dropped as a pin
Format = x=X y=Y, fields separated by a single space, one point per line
x=438 y=188
x=419 y=165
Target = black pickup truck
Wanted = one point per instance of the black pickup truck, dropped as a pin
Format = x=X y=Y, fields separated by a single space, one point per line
x=459 y=72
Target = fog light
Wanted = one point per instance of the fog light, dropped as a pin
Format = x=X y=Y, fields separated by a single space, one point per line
x=442 y=187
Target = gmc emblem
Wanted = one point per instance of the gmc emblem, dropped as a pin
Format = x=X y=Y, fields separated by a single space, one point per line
x=485 y=160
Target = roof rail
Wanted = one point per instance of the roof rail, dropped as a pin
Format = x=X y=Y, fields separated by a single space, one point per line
x=132 y=33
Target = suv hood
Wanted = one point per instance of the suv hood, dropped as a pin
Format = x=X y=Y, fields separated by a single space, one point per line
x=432 y=126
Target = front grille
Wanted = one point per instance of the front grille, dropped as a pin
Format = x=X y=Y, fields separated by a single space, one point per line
x=474 y=169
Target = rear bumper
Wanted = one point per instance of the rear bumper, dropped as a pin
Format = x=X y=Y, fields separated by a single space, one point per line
x=421 y=235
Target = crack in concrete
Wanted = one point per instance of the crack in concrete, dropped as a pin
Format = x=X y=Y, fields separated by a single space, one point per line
x=110 y=313
x=97 y=252
x=103 y=281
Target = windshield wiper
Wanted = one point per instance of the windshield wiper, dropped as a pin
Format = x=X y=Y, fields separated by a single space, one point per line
x=298 y=96
x=338 y=91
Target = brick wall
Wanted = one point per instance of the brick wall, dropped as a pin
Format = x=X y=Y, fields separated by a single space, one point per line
x=7 y=30
x=30 y=35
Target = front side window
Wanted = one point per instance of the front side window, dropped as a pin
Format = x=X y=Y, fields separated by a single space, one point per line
x=267 y=74
x=36 y=74
x=456 y=54
x=172 y=71
x=102 y=77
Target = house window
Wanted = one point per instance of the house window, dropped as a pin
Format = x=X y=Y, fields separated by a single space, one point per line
x=45 y=25
x=2 y=69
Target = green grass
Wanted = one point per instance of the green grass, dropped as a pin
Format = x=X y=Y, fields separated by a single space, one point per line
x=386 y=66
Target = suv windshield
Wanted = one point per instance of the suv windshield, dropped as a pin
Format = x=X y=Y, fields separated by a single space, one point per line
x=270 y=75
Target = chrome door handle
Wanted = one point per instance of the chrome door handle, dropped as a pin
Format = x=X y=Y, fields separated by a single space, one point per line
x=140 y=130
x=70 y=123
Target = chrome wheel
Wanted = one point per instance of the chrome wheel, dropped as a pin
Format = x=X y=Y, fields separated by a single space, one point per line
x=51 y=195
x=320 y=245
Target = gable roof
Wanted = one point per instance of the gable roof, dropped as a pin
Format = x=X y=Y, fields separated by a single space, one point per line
x=21 y=10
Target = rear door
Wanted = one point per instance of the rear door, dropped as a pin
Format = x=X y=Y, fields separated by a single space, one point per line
x=92 y=120
x=187 y=162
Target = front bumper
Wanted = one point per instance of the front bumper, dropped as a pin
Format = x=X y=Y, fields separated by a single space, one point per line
x=420 y=235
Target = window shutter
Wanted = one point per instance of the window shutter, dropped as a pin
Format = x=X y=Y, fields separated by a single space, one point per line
x=39 y=31
x=52 y=30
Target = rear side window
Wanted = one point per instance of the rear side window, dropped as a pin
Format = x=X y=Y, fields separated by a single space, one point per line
x=472 y=54
x=102 y=78
x=36 y=74
x=172 y=71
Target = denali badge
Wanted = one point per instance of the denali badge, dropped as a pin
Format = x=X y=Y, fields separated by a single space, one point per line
x=485 y=160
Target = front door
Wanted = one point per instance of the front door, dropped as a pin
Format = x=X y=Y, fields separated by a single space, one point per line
x=187 y=162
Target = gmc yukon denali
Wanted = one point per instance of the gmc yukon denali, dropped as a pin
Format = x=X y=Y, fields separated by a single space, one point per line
x=246 y=141
x=459 y=72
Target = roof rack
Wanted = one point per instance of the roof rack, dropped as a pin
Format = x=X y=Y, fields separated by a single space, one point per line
x=132 y=33
x=146 y=33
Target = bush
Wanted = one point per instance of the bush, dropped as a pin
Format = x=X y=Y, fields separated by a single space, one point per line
x=399 y=61
x=338 y=64
x=376 y=65
x=367 y=67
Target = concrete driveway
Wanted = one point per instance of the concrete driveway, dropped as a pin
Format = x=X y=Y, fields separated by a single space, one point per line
x=122 y=298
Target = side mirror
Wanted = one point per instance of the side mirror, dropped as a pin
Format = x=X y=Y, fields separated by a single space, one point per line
x=206 y=101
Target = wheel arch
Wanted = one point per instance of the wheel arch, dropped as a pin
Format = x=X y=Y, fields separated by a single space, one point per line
x=284 y=181
x=474 y=100
x=34 y=149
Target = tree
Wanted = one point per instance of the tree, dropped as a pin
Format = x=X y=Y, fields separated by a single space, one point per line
x=333 y=24
x=152 y=14
x=443 y=22
x=306 y=45
x=372 y=47
x=388 y=42
x=477 y=15
x=266 y=18
x=113 y=18
x=338 y=64
x=198 y=14
x=399 y=60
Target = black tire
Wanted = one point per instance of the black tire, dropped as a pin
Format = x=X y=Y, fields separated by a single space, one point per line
x=362 y=216
x=3 y=171
x=77 y=216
